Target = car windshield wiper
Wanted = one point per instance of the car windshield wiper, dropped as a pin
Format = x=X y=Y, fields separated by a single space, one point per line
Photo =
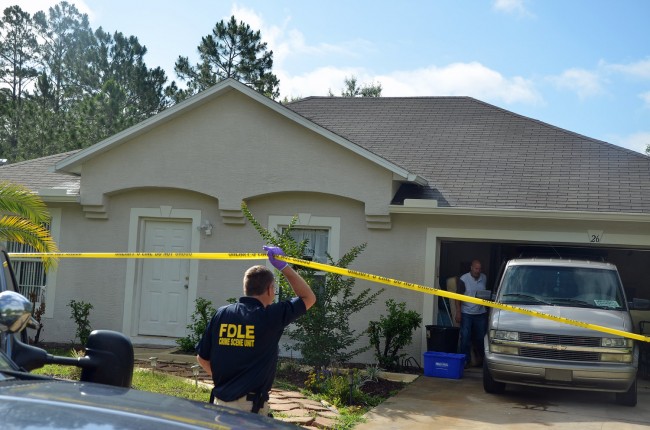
x=527 y=299
x=574 y=302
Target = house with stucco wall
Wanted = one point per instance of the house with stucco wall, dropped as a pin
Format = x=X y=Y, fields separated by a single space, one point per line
x=428 y=183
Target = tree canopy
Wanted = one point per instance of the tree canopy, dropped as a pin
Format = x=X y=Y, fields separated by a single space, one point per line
x=352 y=89
x=232 y=50
x=64 y=86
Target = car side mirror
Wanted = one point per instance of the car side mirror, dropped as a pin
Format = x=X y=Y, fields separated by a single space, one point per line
x=109 y=358
x=15 y=312
x=109 y=354
x=639 y=304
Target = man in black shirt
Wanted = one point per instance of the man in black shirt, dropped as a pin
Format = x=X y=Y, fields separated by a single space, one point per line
x=239 y=348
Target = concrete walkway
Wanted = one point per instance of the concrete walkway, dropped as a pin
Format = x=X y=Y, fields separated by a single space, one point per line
x=460 y=404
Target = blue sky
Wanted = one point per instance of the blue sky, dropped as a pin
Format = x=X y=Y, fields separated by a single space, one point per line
x=582 y=65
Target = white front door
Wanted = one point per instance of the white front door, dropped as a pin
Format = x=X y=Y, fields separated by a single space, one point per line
x=164 y=282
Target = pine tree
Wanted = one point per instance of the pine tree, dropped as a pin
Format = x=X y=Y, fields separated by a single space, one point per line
x=18 y=60
x=233 y=50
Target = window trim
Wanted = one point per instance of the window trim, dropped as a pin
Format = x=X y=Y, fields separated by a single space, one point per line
x=50 y=285
x=306 y=220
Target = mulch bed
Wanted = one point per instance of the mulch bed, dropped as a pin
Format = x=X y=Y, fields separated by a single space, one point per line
x=381 y=387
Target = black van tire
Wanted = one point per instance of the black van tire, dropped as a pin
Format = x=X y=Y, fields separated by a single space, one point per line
x=490 y=385
x=627 y=398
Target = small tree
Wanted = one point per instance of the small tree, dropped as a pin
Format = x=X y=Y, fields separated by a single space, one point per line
x=396 y=331
x=324 y=334
x=200 y=318
x=80 y=314
x=353 y=90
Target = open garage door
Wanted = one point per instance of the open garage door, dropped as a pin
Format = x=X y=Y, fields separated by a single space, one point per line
x=456 y=257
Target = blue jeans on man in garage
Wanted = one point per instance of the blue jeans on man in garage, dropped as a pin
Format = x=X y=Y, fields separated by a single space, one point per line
x=472 y=331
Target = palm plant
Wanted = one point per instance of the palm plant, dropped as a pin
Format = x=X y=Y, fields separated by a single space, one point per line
x=22 y=215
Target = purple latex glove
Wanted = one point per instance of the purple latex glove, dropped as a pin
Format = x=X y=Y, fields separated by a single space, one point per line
x=272 y=251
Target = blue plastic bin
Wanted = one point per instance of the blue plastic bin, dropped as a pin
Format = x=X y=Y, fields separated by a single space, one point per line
x=444 y=364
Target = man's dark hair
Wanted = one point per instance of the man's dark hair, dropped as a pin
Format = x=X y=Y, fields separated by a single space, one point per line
x=257 y=279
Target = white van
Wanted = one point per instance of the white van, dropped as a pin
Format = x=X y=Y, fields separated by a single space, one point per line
x=521 y=349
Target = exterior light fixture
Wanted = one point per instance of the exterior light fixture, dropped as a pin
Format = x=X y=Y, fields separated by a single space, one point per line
x=206 y=228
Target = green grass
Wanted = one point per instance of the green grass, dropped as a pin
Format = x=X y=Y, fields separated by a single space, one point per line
x=159 y=382
x=144 y=380
x=156 y=382
x=59 y=371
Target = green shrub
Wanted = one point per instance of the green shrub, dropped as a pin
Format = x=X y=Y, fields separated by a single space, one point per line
x=80 y=314
x=395 y=330
x=203 y=312
x=324 y=334
x=340 y=389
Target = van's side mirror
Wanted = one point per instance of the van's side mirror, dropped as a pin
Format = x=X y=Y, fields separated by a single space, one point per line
x=639 y=304
x=109 y=358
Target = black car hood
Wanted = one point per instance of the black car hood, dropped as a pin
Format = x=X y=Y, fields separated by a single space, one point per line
x=59 y=405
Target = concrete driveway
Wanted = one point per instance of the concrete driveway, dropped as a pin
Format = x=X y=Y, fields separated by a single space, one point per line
x=434 y=403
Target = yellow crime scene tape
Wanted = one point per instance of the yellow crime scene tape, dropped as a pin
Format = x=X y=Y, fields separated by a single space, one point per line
x=337 y=270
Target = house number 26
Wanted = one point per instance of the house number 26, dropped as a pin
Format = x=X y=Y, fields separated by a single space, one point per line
x=595 y=236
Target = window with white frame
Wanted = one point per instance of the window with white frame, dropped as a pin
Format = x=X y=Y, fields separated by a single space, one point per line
x=315 y=250
x=30 y=272
x=317 y=243
x=322 y=235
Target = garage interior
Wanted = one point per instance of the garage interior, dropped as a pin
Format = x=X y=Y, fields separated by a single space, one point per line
x=456 y=257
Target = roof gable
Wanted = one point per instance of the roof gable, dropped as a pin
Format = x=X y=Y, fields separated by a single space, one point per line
x=73 y=164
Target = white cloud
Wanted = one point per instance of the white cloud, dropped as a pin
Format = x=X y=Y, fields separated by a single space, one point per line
x=582 y=82
x=517 y=7
x=319 y=82
x=636 y=142
x=639 y=69
x=288 y=43
x=646 y=98
x=458 y=79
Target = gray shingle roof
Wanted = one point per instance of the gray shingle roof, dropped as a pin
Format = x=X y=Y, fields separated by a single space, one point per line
x=39 y=173
x=478 y=155
x=472 y=154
